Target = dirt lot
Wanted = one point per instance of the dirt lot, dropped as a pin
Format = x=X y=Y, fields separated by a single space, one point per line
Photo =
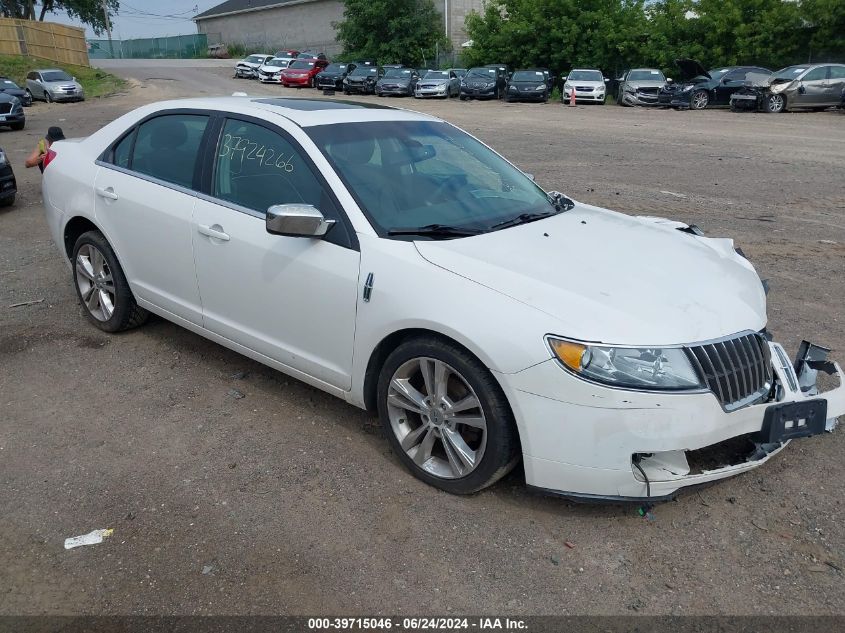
x=289 y=501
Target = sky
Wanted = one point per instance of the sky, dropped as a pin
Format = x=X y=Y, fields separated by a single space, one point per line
x=147 y=18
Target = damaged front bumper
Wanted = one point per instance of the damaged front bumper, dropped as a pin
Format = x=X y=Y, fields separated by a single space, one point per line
x=611 y=444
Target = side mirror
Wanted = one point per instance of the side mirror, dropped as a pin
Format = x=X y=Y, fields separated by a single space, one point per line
x=606 y=80
x=669 y=80
x=726 y=80
x=297 y=220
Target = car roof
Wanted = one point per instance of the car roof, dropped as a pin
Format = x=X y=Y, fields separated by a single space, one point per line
x=304 y=112
x=47 y=70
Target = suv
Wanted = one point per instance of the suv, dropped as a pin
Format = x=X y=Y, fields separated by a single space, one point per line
x=702 y=88
x=53 y=84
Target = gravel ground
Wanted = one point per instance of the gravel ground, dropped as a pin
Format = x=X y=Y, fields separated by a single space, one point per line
x=288 y=501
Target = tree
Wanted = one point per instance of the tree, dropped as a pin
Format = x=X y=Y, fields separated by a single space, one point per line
x=88 y=12
x=391 y=31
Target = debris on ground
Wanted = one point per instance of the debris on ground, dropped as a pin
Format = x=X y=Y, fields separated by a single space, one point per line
x=555 y=560
x=26 y=303
x=646 y=512
x=759 y=524
x=92 y=538
x=569 y=544
x=237 y=395
x=239 y=375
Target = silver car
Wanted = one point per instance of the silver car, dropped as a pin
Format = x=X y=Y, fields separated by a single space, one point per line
x=53 y=84
x=438 y=83
x=639 y=87
x=815 y=86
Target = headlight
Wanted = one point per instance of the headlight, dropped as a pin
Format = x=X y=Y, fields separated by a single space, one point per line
x=687 y=88
x=512 y=88
x=541 y=87
x=567 y=85
x=648 y=368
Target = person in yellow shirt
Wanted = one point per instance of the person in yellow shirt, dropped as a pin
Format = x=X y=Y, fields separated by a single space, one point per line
x=37 y=156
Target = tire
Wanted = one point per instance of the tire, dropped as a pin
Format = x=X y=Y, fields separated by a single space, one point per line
x=94 y=259
x=31 y=98
x=8 y=202
x=699 y=100
x=462 y=97
x=18 y=126
x=775 y=104
x=490 y=443
x=47 y=97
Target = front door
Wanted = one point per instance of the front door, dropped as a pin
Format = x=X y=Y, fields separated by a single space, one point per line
x=291 y=299
x=144 y=201
x=813 y=86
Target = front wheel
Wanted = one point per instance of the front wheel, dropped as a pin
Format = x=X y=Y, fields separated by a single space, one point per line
x=18 y=126
x=47 y=97
x=699 y=100
x=775 y=103
x=102 y=287
x=446 y=417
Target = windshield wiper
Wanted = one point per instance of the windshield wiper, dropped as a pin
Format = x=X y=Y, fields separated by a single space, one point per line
x=436 y=230
x=525 y=218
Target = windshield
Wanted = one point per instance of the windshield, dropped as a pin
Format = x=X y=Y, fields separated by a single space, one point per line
x=8 y=83
x=437 y=74
x=790 y=72
x=487 y=73
x=56 y=75
x=302 y=65
x=335 y=68
x=278 y=63
x=585 y=75
x=528 y=75
x=646 y=75
x=398 y=72
x=255 y=59
x=365 y=71
x=411 y=174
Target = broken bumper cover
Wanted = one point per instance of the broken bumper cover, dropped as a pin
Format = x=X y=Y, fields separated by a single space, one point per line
x=586 y=445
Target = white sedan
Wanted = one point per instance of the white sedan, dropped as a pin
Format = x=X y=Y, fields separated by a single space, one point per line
x=393 y=260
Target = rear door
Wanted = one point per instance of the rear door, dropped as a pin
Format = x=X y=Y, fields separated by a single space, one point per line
x=836 y=85
x=145 y=195
x=291 y=299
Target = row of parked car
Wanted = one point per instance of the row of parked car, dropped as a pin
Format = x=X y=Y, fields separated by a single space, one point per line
x=48 y=84
x=816 y=86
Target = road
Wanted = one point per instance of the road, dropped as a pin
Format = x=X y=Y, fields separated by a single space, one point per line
x=287 y=500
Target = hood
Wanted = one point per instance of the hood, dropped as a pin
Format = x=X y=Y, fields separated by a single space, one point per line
x=645 y=83
x=399 y=81
x=270 y=69
x=690 y=69
x=611 y=278
x=533 y=82
x=249 y=64
x=585 y=82
x=434 y=82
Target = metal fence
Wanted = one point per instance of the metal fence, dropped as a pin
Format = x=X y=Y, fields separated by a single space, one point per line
x=173 y=47
x=57 y=42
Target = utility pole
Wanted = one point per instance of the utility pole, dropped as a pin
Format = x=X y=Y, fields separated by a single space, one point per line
x=108 y=26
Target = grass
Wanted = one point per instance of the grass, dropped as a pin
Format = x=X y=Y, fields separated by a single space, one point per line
x=97 y=83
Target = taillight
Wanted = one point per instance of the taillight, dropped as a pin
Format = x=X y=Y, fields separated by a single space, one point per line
x=51 y=154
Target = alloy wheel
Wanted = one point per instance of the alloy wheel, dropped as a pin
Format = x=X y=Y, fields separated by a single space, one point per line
x=95 y=282
x=700 y=100
x=776 y=103
x=437 y=418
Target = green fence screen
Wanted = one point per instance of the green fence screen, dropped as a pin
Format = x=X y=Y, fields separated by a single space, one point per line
x=174 y=47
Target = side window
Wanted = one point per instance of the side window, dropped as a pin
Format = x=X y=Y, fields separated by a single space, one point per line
x=736 y=75
x=121 y=150
x=167 y=147
x=816 y=74
x=837 y=72
x=257 y=168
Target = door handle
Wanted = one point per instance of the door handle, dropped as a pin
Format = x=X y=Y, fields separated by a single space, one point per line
x=108 y=192
x=216 y=233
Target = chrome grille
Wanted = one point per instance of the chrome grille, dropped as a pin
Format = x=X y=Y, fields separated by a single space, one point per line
x=738 y=369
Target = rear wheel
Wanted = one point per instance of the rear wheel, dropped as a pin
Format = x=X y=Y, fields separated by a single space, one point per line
x=29 y=96
x=446 y=417
x=102 y=287
x=699 y=100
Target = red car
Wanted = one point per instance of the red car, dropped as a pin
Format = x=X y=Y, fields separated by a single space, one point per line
x=301 y=73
